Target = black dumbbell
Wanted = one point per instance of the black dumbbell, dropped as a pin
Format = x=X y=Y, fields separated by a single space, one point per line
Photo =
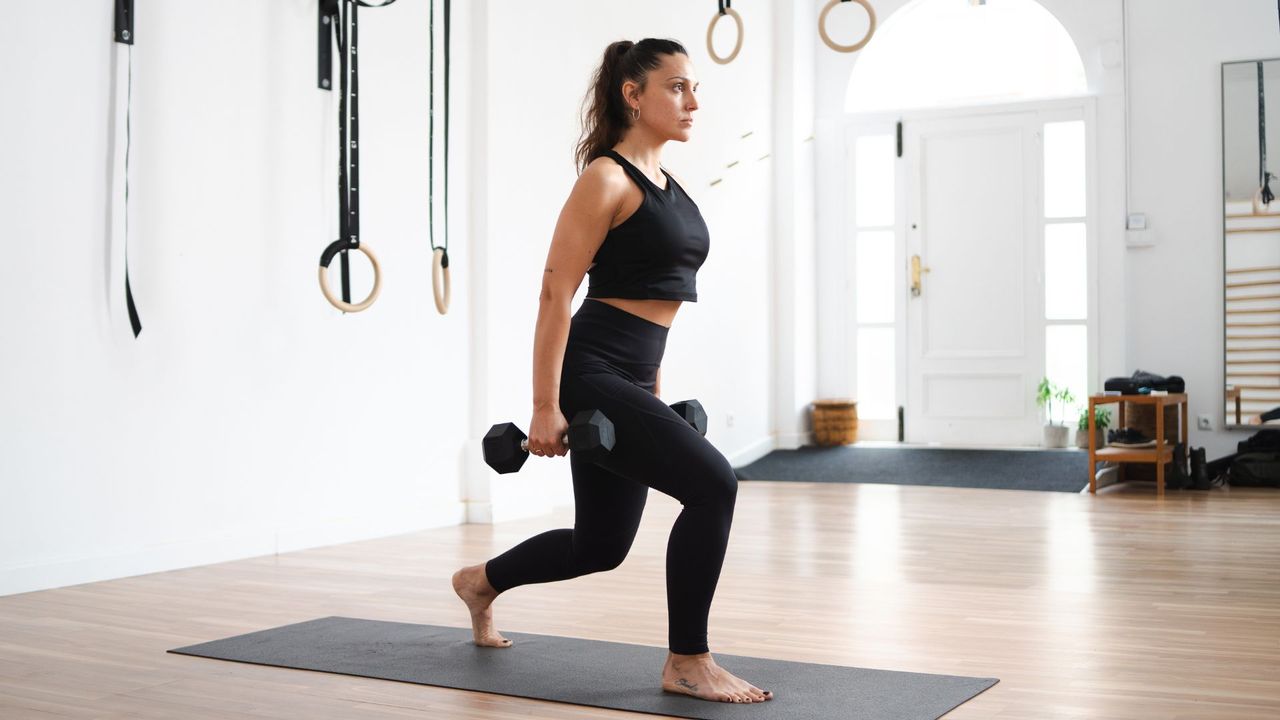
x=590 y=437
x=692 y=412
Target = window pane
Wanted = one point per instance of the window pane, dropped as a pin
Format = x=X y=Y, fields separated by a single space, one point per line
x=1064 y=169
x=874 y=276
x=873 y=180
x=876 y=368
x=1066 y=282
x=1067 y=364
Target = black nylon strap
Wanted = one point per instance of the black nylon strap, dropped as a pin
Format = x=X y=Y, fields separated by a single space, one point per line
x=127 y=39
x=346 y=31
x=1264 y=177
x=448 y=107
x=348 y=155
x=431 y=134
x=353 y=189
x=431 y=126
x=1262 y=130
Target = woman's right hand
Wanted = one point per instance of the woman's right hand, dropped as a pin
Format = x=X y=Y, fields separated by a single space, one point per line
x=546 y=432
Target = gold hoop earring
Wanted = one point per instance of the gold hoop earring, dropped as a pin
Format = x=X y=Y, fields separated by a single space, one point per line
x=635 y=114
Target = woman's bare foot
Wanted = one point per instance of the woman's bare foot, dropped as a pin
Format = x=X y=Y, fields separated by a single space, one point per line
x=699 y=676
x=472 y=585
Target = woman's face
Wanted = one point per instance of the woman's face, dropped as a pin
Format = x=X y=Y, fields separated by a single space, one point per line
x=669 y=98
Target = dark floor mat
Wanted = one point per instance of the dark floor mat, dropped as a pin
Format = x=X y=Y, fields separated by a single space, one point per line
x=1049 y=470
x=588 y=672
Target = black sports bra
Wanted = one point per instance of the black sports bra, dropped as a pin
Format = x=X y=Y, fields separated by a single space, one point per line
x=656 y=252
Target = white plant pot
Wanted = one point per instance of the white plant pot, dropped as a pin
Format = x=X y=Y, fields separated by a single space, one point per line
x=1055 y=436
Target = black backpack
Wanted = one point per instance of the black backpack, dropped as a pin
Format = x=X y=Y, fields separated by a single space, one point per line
x=1255 y=469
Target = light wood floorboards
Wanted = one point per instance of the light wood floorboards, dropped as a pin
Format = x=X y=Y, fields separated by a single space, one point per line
x=1116 y=606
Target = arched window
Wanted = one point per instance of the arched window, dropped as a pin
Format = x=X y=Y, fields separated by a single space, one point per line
x=937 y=53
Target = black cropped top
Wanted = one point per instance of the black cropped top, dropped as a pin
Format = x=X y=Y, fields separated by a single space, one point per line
x=656 y=252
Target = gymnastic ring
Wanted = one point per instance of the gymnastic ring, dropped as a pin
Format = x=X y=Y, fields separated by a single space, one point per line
x=439 y=277
x=333 y=249
x=711 y=50
x=822 y=27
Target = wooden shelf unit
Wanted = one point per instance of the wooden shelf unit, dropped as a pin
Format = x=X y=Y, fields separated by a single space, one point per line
x=1161 y=454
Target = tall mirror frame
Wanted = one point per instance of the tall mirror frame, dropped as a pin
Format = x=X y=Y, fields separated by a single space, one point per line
x=1251 y=242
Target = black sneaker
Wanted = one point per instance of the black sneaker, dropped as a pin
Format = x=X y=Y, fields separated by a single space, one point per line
x=1129 y=438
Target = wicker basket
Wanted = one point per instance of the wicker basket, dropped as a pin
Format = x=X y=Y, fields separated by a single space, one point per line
x=835 y=422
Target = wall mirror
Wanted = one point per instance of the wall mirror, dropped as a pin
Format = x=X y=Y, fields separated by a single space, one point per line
x=1251 y=241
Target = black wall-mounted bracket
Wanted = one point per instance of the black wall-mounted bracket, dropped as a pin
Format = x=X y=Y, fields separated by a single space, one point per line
x=124 y=21
x=328 y=9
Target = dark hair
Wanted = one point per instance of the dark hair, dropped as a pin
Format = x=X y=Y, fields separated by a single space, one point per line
x=605 y=115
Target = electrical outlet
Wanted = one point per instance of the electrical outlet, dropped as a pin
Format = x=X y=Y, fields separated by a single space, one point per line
x=728 y=420
x=1204 y=422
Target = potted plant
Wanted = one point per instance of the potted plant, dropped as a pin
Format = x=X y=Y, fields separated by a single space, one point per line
x=1101 y=421
x=1055 y=434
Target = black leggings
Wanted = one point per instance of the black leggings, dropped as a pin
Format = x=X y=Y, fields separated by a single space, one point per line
x=611 y=363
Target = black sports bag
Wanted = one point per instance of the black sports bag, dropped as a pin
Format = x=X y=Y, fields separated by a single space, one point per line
x=1257 y=469
x=1141 y=379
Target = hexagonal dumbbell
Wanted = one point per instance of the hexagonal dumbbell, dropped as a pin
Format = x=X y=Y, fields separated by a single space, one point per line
x=692 y=412
x=590 y=437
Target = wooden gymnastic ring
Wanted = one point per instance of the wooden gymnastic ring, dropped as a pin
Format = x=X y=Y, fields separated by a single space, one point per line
x=440 y=276
x=711 y=50
x=373 y=294
x=822 y=27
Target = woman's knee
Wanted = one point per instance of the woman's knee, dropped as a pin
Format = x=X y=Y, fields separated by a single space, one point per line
x=713 y=481
x=602 y=556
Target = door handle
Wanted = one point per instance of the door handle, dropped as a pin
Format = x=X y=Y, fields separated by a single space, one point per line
x=916 y=272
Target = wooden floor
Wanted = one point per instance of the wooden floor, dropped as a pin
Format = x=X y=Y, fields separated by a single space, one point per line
x=1115 y=606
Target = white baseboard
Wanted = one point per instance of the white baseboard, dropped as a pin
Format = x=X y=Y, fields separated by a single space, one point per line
x=752 y=452
x=793 y=441
x=223 y=547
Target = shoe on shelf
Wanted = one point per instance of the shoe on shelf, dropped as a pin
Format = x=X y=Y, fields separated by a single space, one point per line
x=1129 y=438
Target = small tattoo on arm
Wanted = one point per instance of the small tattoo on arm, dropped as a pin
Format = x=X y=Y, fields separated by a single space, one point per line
x=550 y=270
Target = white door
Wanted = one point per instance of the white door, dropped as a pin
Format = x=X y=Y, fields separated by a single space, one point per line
x=975 y=329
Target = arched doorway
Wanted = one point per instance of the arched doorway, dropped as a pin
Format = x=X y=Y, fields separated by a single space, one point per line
x=968 y=140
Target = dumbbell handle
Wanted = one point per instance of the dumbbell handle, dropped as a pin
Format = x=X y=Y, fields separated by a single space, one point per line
x=524 y=444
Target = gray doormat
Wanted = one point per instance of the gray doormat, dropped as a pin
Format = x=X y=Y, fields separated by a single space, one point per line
x=1048 y=470
x=611 y=675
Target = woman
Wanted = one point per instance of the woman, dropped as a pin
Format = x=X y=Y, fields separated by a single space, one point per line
x=642 y=240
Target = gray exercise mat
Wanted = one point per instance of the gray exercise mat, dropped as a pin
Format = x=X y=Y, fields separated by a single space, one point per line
x=611 y=675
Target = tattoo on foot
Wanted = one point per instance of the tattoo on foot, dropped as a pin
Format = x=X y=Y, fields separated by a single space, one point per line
x=685 y=683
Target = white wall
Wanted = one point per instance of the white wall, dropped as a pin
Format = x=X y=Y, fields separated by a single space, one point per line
x=250 y=416
x=794 y=269
x=1174 y=290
